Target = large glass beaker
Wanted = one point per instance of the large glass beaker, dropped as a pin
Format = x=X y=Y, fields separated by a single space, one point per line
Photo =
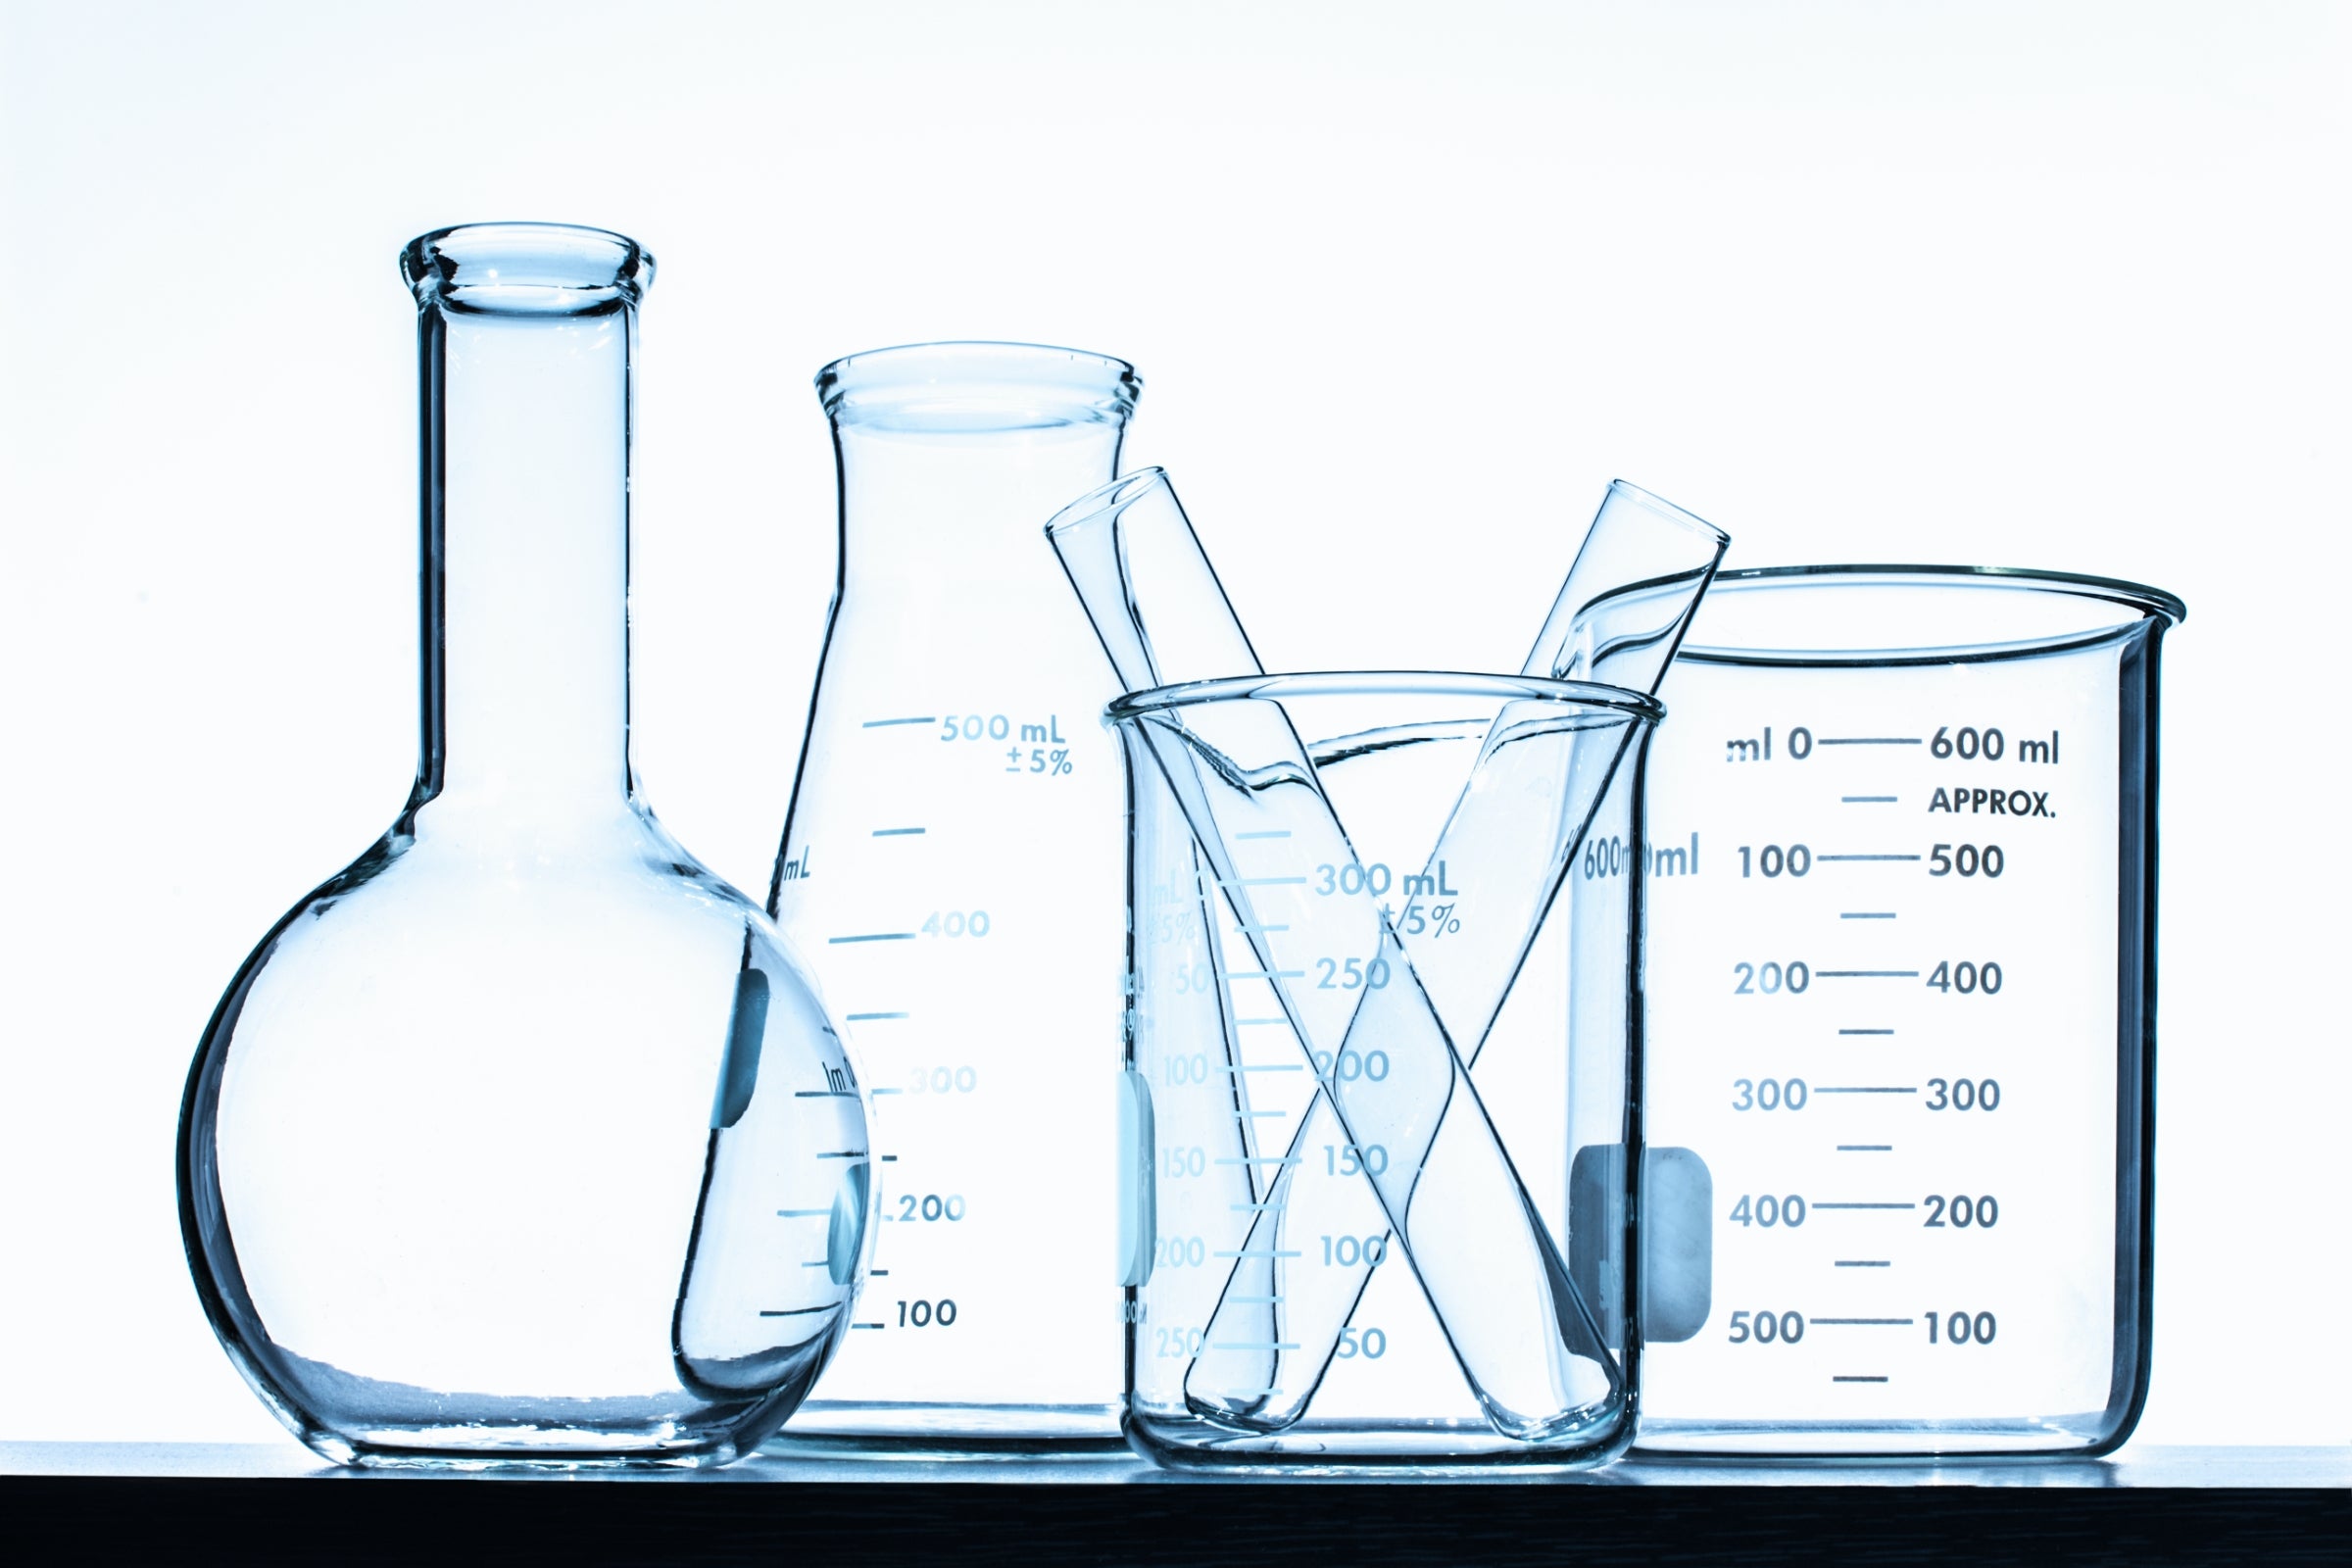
x=524 y=1138
x=953 y=867
x=1902 y=1006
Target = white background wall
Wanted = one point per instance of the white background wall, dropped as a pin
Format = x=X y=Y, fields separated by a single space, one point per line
x=2058 y=285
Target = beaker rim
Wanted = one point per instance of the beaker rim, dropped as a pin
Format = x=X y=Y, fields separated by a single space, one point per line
x=1583 y=694
x=977 y=384
x=529 y=269
x=1907 y=631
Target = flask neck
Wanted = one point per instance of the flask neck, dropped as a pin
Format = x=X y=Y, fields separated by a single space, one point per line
x=953 y=456
x=525 y=556
x=932 y=504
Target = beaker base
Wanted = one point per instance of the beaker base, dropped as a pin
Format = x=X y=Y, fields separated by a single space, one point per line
x=1369 y=1448
x=877 y=1430
x=1685 y=1441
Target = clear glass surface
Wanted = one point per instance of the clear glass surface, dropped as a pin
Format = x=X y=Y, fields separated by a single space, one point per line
x=952 y=866
x=1161 y=615
x=524 y=1139
x=1340 y=1246
x=1900 y=991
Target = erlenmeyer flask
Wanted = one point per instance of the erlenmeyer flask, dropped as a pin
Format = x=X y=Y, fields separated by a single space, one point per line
x=524 y=1138
x=953 y=867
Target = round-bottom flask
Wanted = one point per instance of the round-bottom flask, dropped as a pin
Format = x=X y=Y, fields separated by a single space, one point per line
x=525 y=1138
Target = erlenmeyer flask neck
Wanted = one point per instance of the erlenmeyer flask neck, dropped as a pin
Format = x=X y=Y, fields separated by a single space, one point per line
x=1009 y=431
x=525 y=337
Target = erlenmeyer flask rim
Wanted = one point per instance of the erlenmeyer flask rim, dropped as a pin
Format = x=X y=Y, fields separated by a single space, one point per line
x=526 y=268
x=977 y=386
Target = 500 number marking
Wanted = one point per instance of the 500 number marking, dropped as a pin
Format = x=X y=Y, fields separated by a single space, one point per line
x=1767 y=1328
x=1966 y=860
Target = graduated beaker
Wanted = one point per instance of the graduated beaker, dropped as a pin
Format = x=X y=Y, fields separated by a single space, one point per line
x=1901 y=995
x=952 y=866
x=1254 y=1059
x=524 y=1138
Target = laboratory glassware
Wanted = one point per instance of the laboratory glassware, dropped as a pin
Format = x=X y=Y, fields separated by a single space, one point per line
x=524 y=1138
x=1306 y=1154
x=953 y=868
x=1901 y=995
x=1154 y=598
x=1512 y=1318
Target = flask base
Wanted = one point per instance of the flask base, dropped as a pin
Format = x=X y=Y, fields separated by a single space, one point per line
x=910 y=1429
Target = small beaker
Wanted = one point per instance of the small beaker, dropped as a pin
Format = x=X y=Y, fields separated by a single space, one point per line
x=1901 y=1003
x=1238 y=1217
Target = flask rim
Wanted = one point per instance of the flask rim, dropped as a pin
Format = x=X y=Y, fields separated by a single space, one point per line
x=526 y=268
x=976 y=385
